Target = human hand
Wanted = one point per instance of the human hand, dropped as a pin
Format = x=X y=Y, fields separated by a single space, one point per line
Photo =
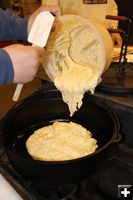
x=26 y=61
x=55 y=10
x=117 y=40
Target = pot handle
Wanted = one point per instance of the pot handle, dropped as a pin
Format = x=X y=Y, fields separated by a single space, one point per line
x=117 y=138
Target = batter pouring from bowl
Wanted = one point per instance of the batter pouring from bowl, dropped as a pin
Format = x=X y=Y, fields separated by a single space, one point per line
x=76 y=56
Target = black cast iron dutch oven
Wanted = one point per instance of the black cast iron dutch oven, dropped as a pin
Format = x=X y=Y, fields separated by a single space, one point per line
x=42 y=108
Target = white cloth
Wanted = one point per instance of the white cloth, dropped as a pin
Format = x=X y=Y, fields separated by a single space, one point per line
x=7 y=192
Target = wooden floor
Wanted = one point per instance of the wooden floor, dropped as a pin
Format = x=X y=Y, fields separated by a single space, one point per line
x=7 y=91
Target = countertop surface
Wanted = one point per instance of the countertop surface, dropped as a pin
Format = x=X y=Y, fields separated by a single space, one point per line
x=7 y=192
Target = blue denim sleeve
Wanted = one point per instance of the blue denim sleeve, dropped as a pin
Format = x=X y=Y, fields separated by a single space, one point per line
x=12 y=27
x=6 y=68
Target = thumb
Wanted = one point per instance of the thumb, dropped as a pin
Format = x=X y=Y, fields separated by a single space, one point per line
x=40 y=50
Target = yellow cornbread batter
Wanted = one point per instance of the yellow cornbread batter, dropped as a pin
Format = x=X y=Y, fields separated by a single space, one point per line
x=61 y=141
x=73 y=60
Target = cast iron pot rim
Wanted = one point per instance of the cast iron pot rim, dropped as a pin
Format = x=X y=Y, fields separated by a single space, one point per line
x=116 y=136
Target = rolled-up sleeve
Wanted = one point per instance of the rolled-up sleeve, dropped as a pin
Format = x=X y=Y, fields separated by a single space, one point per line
x=12 y=27
x=6 y=68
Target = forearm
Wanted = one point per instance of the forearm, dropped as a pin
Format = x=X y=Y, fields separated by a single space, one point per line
x=12 y=27
x=6 y=68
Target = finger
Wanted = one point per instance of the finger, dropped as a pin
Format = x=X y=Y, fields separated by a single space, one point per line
x=55 y=11
x=40 y=50
x=56 y=24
